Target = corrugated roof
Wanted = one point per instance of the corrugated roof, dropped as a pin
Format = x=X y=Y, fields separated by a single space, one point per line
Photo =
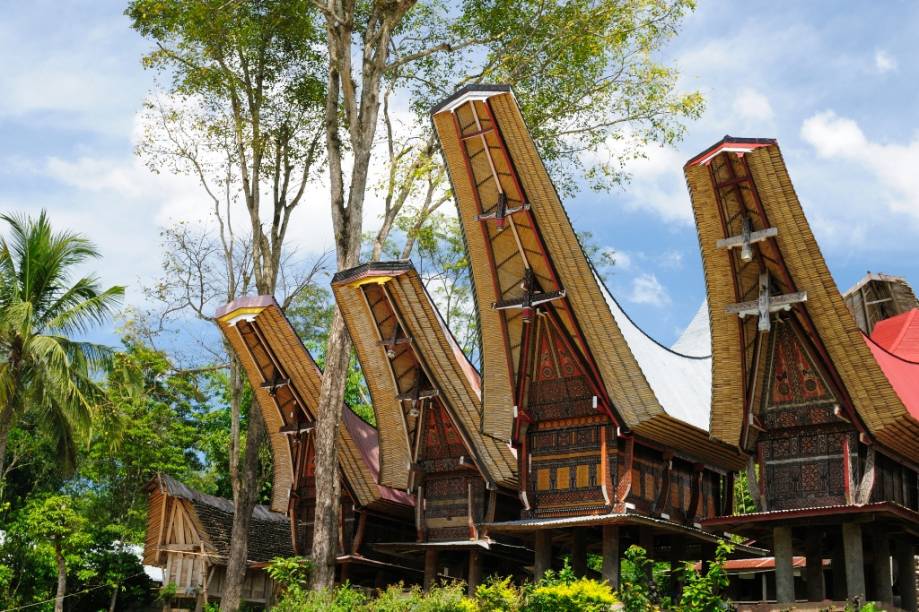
x=696 y=339
x=899 y=335
x=902 y=374
x=681 y=383
x=366 y=437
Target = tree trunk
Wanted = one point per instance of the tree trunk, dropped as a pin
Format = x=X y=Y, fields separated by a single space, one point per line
x=347 y=219
x=61 y=579
x=114 y=600
x=245 y=491
x=328 y=486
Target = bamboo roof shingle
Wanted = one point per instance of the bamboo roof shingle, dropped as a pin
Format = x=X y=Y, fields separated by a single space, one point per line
x=401 y=341
x=285 y=381
x=747 y=178
x=494 y=168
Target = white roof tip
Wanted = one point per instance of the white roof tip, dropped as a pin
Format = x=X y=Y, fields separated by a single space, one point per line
x=696 y=339
x=681 y=382
x=475 y=91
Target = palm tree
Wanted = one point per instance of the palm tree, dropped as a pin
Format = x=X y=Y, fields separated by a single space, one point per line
x=43 y=370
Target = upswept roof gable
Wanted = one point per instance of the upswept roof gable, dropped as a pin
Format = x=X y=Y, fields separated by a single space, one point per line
x=269 y=347
x=515 y=225
x=402 y=308
x=747 y=178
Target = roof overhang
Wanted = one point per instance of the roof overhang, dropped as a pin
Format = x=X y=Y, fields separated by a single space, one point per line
x=469 y=93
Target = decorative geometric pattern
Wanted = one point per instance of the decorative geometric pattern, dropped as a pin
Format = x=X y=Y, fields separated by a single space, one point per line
x=794 y=379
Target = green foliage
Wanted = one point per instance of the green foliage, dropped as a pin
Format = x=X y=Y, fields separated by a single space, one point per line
x=498 y=595
x=202 y=43
x=743 y=501
x=602 y=258
x=43 y=370
x=292 y=574
x=563 y=591
x=343 y=598
x=585 y=73
x=638 y=590
x=701 y=593
x=150 y=404
x=582 y=595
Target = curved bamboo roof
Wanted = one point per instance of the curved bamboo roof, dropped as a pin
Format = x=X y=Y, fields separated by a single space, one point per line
x=515 y=227
x=404 y=347
x=744 y=178
x=285 y=381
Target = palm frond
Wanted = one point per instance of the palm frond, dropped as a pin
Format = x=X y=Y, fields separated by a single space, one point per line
x=83 y=307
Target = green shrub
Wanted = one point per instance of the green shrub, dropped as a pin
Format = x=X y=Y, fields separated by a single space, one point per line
x=637 y=589
x=581 y=595
x=445 y=598
x=291 y=574
x=701 y=593
x=394 y=599
x=344 y=598
x=498 y=595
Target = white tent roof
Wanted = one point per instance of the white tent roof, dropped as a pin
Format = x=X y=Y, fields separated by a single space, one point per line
x=682 y=382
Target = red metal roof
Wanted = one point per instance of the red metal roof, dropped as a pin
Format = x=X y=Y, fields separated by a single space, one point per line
x=899 y=335
x=895 y=346
x=366 y=438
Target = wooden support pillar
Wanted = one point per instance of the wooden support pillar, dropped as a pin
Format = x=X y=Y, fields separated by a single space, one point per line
x=906 y=572
x=611 y=555
x=816 y=589
x=838 y=566
x=855 y=561
x=646 y=540
x=883 y=580
x=784 y=570
x=430 y=568
x=474 y=576
x=543 y=550
x=677 y=556
x=579 y=552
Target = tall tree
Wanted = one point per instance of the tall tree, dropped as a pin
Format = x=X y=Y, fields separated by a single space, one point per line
x=54 y=520
x=586 y=77
x=241 y=118
x=42 y=369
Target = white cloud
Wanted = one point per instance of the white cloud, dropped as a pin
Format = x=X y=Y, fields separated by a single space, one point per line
x=892 y=165
x=646 y=289
x=671 y=259
x=658 y=185
x=89 y=82
x=752 y=104
x=884 y=62
x=623 y=260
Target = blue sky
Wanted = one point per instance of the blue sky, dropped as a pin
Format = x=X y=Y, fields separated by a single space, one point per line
x=837 y=87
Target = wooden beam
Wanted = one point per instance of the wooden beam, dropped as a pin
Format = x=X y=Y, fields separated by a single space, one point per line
x=611 y=555
x=784 y=571
x=543 y=553
x=430 y=568
x=474 y=574
x=579 y=552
